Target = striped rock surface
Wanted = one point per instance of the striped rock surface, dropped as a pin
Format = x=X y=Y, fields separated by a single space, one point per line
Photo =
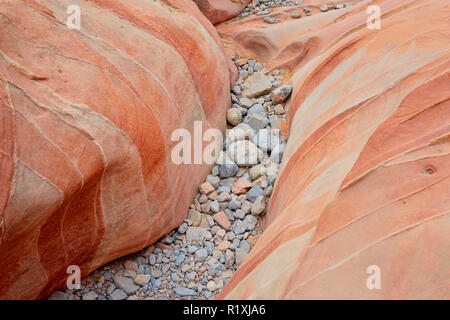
x=221 y=10
x=86 y=118
x=365 y=181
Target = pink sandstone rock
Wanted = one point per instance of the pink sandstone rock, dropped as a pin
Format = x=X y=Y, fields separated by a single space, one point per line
x=365 y=179
x=221 y=10
x=85 y=138
x=222 y=219
x=241 y=186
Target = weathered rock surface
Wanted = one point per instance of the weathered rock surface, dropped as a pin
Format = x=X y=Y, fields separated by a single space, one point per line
x=221 y=10
x=86 y=121
x=257 y=85
x=365 y=178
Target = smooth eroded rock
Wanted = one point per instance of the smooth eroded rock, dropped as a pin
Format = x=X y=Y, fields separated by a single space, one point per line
x=87 y=117
x=364 y=177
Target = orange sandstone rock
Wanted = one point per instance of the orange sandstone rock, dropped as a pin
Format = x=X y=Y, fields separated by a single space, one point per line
x=221 y=10
x=365 y=179
x=222 y=219
x=241 y=186
x=85 y=138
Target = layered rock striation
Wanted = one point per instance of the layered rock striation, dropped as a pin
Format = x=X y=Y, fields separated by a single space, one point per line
x=85 y=138
x=365 y=178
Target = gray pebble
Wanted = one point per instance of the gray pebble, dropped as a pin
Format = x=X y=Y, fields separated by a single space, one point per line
x=228 y=170
x=254 y=193
x=180 y=259
x=234 y=205
x=184 y=291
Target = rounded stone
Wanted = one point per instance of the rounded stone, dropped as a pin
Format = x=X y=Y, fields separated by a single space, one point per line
x=234 y=116
x=211 y=286
x=296 y=15
x=228 y=169
x=257 y=171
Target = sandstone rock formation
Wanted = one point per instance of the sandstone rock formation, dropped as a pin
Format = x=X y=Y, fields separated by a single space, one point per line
x=86 y=117
x=221 y=10
x=85 y=136
x=366 y=175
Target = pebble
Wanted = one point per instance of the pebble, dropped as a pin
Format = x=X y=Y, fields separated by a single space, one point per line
x=245 y=102
x=257 y=108
x=234 y=116
x=130 y=265
x=206 y=188
x=214 y=181
x=201 y=255
x=60 y=295
x=197 y=234
x=296 y=15
x=254 y=193
x=279 y=109
x=126 y=284
x=250 y=222
x=224 y=197
x=257 y=171
x=224 y=189
x=197 y=218
x=240 y=132
x=270 y=20
x=142 y=279
x=281 y=94
x=239 y=227
x=256 y=120
x=211 y=286
x=228 y=170
x=215 y=206
x=91 y=295
x=222 y=219
x=257 y=85
x=118 y=294
x=181 y=291
x=259 y=205
x=241 y=186
x=221 y=233
x=180 y=259
x=239 y=214
x=156 y=273
x=244 y=152
x=229 y=182
x=264 y=12
x=261 y=182
x=191 y=249
x=224 y=245
x=234 y=205
x=246 y=207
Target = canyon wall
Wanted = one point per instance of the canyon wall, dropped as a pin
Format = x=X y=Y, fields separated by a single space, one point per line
x=85 y=137
x=365 y=179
